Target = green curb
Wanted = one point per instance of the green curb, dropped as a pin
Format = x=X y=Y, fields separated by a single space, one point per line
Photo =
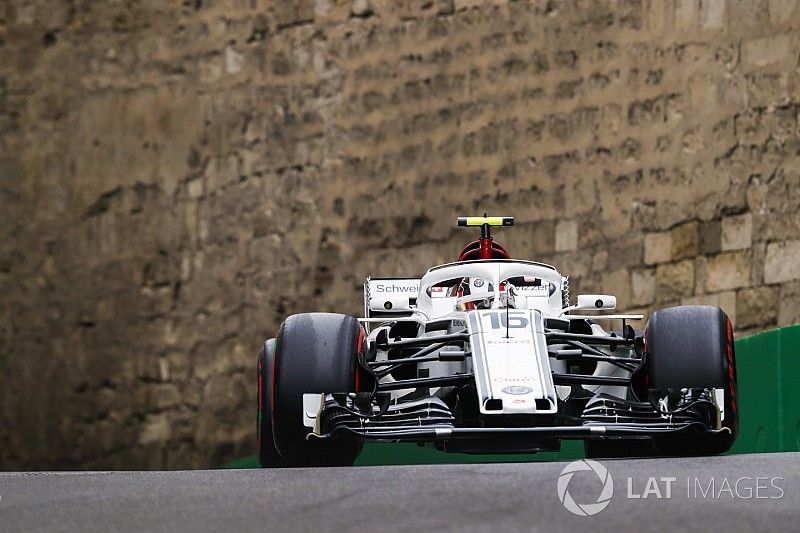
x=768 y=374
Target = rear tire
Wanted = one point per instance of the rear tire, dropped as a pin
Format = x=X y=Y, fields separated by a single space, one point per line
x=315 y=353
x=692 y=347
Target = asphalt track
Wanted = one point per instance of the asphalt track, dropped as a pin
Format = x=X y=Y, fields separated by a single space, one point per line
x=469 y=497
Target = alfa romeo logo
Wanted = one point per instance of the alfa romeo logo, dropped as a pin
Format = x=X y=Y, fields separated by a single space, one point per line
x=517 y=389
x=585 y=509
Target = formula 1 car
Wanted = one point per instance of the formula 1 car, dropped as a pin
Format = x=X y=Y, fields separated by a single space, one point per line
x=488 y=355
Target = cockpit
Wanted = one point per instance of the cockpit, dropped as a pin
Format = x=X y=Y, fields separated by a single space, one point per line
x=491 y=284
x=484 y=277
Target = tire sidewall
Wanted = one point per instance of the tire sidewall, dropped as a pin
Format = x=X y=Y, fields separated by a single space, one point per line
x=267 y=452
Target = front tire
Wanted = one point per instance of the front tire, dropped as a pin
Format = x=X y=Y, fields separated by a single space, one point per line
x=692 y=347
x=315 y=353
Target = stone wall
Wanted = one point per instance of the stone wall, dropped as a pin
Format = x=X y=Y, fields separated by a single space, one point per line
x=176 y=177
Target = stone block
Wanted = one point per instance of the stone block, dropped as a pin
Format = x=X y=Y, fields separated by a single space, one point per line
x=759 y=254
x=710 y=237
x=658 y=13
x=789 y=306
x=566 y=235
x=686 y=14
x=757 y=307
x=233 y=60
x=685 y=241
x=730 y=270
x=767 y=50
x=627 y=252
x=618 y=283
x=781 y=10
x=744 y=15
x=164 y=396
x=737 y=232
x=713 y=14
x=361 y=8
x=657 y=247
x=156 y=429
x=643 y=287
x=674 y=281
x=767 y=89
x=292 y=13
x=776 y=226
x=599 y=261
x=782 y=262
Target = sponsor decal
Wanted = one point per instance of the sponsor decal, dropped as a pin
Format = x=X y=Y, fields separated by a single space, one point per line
x=385 y=288
x=530 y=288
x=517 y=389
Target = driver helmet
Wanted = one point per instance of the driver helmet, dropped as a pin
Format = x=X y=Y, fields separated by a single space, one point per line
x=476 y=286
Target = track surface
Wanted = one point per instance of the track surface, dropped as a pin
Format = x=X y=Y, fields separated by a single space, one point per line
x=474 y=497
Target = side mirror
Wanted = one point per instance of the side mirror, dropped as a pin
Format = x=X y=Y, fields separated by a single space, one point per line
x=390 y=304
x=596 y=301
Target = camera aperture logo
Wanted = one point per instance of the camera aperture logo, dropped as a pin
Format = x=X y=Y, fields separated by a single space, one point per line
x=585 y=509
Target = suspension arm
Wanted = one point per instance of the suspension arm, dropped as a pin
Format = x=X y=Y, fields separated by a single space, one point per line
x=442 y=381
x=579 y=379
x=557 y=336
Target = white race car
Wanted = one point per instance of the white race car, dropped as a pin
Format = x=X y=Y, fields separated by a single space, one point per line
x=487 y=355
